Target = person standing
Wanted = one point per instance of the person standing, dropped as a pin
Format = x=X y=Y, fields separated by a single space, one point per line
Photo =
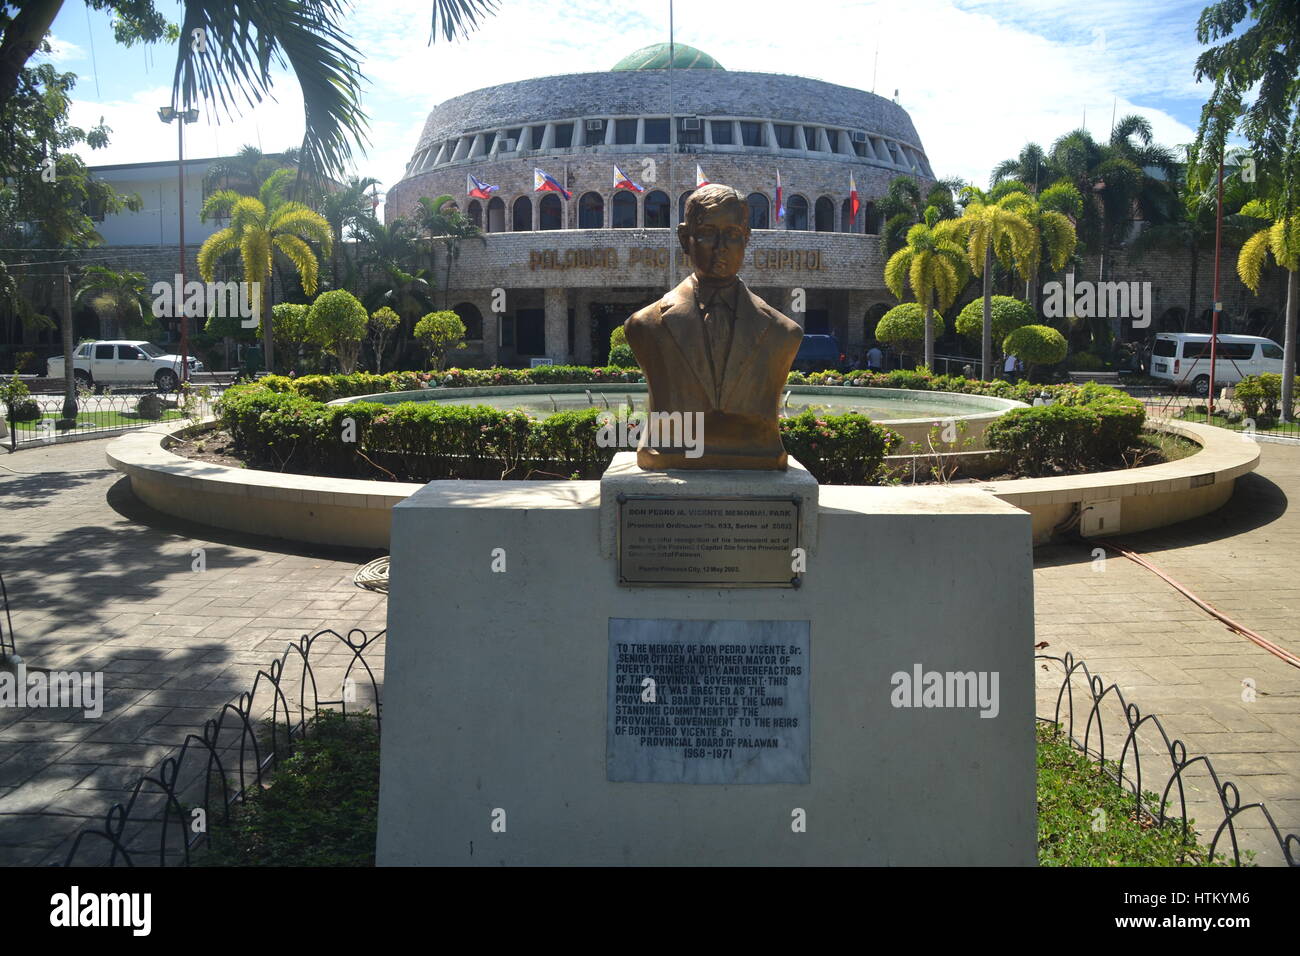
x=875 y=358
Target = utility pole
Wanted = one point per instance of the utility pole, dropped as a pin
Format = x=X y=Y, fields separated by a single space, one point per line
x=1218 y=304
x=69 y=419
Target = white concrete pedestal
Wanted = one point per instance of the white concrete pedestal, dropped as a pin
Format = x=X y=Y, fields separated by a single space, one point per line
x=495 y=692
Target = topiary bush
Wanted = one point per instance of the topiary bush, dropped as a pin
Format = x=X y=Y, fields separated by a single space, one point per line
x=440 y=333
x=1036 y=345
x=903 y=327
x=1008 y=314
x=622 y=356
x=337 y=323
x=847 y=449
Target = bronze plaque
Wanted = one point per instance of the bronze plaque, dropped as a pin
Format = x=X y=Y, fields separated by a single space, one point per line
x=711 y=542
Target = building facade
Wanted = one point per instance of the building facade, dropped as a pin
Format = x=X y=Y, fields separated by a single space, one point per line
x=551 y=277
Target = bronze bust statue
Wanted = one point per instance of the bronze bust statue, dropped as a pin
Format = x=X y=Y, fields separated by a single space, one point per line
x=711 y=346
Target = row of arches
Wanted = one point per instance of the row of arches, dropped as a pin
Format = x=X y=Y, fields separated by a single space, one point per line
x=652 y=211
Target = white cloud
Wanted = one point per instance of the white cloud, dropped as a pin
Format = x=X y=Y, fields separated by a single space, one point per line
x=62 y=52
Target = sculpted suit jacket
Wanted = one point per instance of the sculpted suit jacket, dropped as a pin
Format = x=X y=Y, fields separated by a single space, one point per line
x=740 y=402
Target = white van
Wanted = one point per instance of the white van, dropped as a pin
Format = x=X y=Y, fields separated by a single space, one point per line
x=1184 y=359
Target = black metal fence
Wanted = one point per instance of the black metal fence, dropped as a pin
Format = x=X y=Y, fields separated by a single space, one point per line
x=170 y=810
x=1098 y=721
x=39 y=419
x=1228 y=413
x=7 y=646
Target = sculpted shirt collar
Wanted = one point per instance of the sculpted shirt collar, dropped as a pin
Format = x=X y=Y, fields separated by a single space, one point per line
x=728 y=293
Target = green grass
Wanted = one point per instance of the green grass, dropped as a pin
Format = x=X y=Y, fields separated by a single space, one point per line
x=1168 y=446
x=1195 y=414
x=1072 y=787
x=322 y=808
x=109 y=419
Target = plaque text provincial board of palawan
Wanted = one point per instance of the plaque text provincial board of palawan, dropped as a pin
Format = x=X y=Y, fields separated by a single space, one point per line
x=708 y=702
x=709 y=542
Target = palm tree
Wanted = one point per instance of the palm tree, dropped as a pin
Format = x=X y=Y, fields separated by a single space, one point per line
x=995 y=229
x=343 y=209
x=439 y=218
x=1030 y=168
x=903 y=206
x=388 y=256
x=1051 y=214
x=118 y=298
x=1282 y=240
x=247 y=169
x=933 y=264
x=259 y=227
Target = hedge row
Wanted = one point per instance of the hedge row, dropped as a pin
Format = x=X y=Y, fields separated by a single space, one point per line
x=1086 y=428
x=423 y=441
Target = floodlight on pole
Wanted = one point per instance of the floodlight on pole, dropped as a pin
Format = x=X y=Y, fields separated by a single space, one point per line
x=167 y=114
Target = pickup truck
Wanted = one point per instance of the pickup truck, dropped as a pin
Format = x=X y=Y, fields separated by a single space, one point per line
x=123 y=363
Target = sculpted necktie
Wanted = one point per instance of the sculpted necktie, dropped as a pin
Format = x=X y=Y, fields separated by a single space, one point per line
x=719 y=320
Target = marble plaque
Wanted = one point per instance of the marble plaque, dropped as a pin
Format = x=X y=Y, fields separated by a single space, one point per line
x=717 y=702
x=707 y=542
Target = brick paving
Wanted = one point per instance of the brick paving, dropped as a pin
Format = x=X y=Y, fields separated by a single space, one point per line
x=99 y=582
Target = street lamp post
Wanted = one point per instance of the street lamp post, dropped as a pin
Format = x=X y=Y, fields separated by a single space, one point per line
x=167 y=114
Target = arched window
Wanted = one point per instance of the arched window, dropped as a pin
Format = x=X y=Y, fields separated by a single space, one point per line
x=623 y=209
x=550 y=215
x=796 y=213
x=476 y=214
x=681 y=205
x=591 y=211
x=523 y=214
x=656 y=210
x=870 y=219
x=824 y=215
x=759 y=211
x=496 y=215
x=846 y=217
x=473 y=319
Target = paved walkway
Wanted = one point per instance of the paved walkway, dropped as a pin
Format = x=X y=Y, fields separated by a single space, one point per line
x=98 y=582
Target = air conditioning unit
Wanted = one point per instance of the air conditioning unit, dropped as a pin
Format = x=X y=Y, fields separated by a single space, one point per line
x=510 y=146
x=595 y=125
x=690 y=123
x=859 y=137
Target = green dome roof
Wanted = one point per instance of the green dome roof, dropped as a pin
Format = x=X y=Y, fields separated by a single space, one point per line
x=655 y=57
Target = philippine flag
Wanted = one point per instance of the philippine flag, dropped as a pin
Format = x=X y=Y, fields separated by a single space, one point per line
x=544 y=182
x=478 y=189
x=853 y=197
x=621 y=181
x=780 y=204
x=699 y=177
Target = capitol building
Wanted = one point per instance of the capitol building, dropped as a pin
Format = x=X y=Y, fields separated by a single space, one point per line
x=553 y=276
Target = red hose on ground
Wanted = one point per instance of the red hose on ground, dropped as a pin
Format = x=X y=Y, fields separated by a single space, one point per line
x=1279 y=652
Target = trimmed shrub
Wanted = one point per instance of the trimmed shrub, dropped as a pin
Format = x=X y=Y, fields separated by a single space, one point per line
x=1008 y=314
x=337 y=323
x=1036 y=345
x=844 y=449
x=24 y=410
x=903 y=327
x=440 y=333
x=1087 y=428
x=621 y=355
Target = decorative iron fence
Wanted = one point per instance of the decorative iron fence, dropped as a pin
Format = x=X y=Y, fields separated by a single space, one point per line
x=1228 y=414
x=7 y=646
x=39 y=419
x=1115 y=730
x=169 y=811
x=211 y=772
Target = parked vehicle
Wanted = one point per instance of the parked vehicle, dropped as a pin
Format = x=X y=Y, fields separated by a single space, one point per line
x=817 y=353
x=1184 y=359
x=123 y=363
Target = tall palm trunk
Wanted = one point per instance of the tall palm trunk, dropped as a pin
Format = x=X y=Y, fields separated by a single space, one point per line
x=268 y=336
x=929 y=331
x=69 y=379
x=986 y=338
x=1289 y=342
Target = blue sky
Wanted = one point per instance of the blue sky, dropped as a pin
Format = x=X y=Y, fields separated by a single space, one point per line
x=979 y=77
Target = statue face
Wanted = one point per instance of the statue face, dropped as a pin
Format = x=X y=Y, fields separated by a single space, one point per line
x=716 y=243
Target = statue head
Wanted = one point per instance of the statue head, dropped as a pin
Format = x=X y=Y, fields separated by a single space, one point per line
x=715 y=232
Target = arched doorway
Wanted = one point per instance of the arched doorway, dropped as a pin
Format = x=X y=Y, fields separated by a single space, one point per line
x=591 y=211
x=656 y=210
x=824 y=215
x=523 y=214
x=846 y=217
x=760 y=211
x=623 y=210
x=796 y=213
x=496 y=215
x=476 y=213
x=550 y=214
x=473 y=319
